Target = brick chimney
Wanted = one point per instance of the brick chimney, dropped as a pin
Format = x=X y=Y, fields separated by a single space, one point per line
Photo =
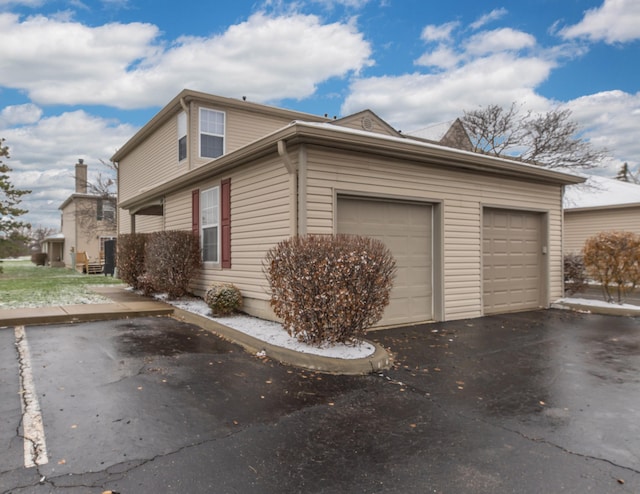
x=81 y=177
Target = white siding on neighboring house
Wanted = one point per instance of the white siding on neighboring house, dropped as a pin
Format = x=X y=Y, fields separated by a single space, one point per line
x=579 y=225
x=601 y=204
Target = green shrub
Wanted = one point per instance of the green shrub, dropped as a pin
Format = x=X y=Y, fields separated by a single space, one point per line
x=223 y=299
x=575 y=276
x=613 y=259
x=130 y=258
x=329 y=289
x=172 y=259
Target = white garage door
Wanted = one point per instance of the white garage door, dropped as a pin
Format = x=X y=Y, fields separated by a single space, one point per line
x=512 y=260
x=406 y=229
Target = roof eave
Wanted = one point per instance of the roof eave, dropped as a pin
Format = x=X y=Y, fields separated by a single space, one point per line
x=188 y=95
x=602 y=207
x=303 y=133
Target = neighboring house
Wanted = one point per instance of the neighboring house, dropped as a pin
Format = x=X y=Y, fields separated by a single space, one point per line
x=472 y=234
x=600 y=204
x=53 y=246
x=88 y=221
x=451 y=134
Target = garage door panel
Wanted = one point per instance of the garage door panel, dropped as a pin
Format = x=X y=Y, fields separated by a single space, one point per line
x=406 y=230
x=512 y=264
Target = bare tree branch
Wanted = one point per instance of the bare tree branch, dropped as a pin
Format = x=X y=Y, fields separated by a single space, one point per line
x=551 y=140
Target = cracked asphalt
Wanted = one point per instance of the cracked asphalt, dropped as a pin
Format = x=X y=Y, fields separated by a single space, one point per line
x=545 y=401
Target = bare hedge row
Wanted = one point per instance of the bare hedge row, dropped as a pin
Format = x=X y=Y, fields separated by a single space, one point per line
x=160 y=262
x=609 y=258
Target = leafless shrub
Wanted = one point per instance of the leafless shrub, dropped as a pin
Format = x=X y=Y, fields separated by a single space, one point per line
x=613 y=259
x=329 y=289
x=130 y=258
x=171 y=260
x=575 y=275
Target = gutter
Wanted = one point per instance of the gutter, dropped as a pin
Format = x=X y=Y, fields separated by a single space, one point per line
x=328 y=135
x=293 y=186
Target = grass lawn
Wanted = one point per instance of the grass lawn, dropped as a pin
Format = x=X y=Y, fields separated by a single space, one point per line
x=23 y=284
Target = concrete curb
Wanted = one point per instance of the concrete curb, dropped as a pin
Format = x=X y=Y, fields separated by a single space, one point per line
x=77 y=313
x=380 y=360
x=595 y=309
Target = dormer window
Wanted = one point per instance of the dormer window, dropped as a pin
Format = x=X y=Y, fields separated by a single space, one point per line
x=211 y=133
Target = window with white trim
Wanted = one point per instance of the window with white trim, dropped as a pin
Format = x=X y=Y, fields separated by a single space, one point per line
x=211 y=133
x=209 y=225
x=182 y=136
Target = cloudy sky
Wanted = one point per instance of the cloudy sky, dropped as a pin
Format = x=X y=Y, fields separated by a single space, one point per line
x=79 y=77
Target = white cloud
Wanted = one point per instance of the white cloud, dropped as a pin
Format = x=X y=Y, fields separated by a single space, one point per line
x=440 y=32
x=616 y=21
x=417 y=100
x=611 y=120
x=26 y=3
x=504 y=39
x=44 y=153
x=19 y=115
x=353 y=4
x=494 y=15
x=125 y=65
x=443 y=57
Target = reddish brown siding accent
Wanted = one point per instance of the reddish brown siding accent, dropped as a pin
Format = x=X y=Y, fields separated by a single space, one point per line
x=195 y=211
x=225 y=222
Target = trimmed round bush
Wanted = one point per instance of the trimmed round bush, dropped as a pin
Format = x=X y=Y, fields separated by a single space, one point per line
x=329 y=288
x=223 y=299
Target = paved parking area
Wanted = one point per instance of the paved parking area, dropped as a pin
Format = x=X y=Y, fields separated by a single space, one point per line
x=544 y=401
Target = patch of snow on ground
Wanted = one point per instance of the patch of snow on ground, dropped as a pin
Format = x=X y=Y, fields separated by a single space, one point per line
x=596 y=303
x=272 y=332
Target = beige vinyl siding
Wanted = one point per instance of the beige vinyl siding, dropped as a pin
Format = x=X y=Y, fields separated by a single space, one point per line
x=149 y=224
x=260 y=218
x=580 y=225
x=177 y=211
x=462 y=194
x=365 y=119
x=153 y=162
x=241 y=128
x=124 y=221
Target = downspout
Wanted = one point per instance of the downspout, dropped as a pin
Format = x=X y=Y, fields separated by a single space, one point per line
x=185 y=108
x=293 y=186
x=302 y=190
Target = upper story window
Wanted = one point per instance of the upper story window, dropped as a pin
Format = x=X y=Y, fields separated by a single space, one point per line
x=209 y=231
x=211 y=133
x=182 y=136
x=105 y=209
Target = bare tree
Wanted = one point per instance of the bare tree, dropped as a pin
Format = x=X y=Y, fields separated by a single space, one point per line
x=550 y=140
x=626 y=175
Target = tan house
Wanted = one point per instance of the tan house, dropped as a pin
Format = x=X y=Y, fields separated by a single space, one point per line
x=471 y=234
x=600 y=205
x=88 y=221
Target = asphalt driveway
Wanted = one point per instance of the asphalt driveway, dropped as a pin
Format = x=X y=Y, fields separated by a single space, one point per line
x=544 y=401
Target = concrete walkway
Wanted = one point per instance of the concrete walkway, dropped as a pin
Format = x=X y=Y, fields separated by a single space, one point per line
x=128 y=304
